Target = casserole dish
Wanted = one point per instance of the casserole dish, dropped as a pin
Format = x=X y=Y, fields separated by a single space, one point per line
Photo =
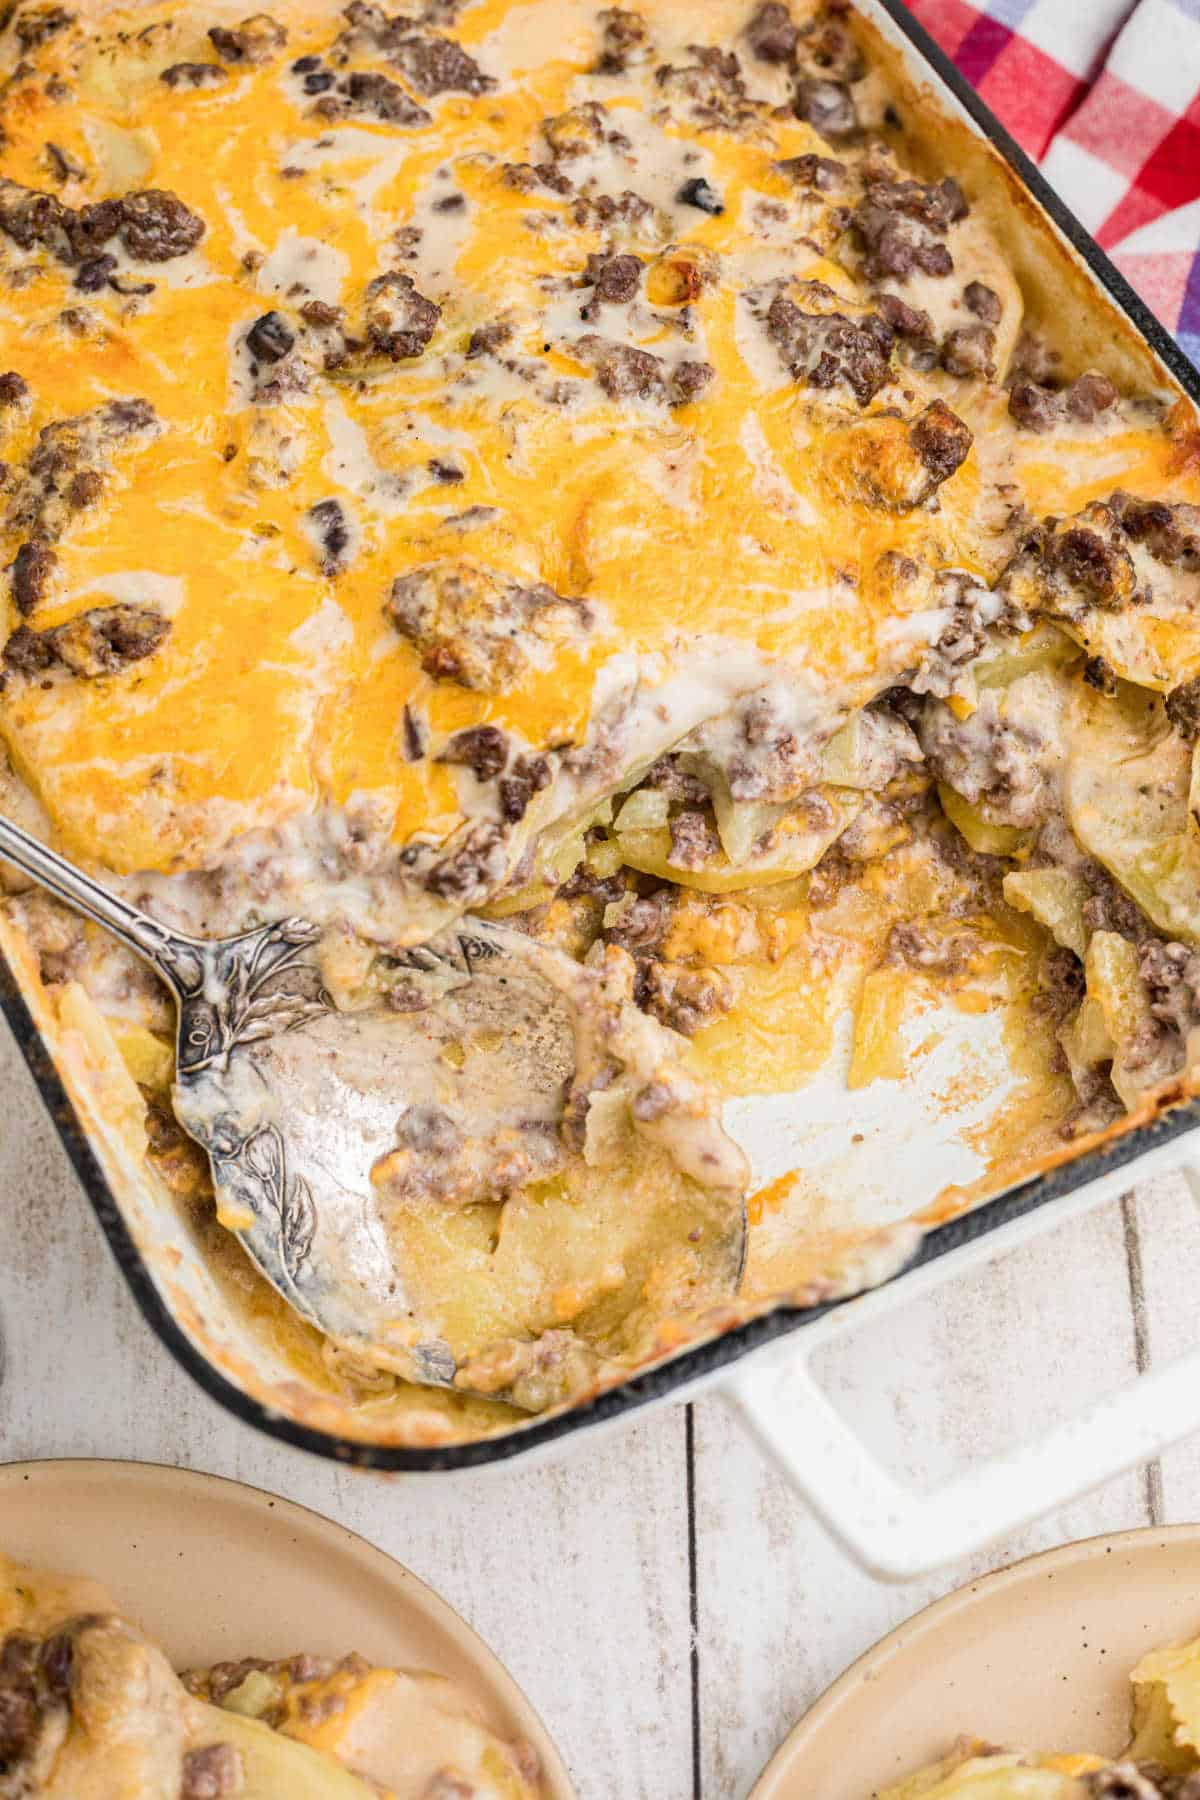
x=158 y=1247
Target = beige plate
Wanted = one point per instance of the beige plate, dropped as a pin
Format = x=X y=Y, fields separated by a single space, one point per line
x=1036 y=1657
x=214 y=1570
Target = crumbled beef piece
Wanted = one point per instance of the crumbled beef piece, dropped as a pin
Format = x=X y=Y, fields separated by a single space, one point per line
x=1171 y=533
x=47 y=494
x=911 y=322
x=14 y=389
x=445 y=472
x=487 y=338
x=643 y=922
x=988 y=759
x=1100 y=675
x=1183 y=709
x=30 y=217
x=1090 y=564
x=527 y=777
x=400 y=321
x=1121 y=1781
x=694 y=842
x=1034 y=359
x=983 y=301
x=103 y=641
x=194 y=75
x=1061 y=982
x=822 y=350
x=429 y=1130
x=333 y=531
x=970 y=350
x=156 y=225
x=822 y=172
x=941 y=440
x=319 y=314
x=828 y=106
x=625 y=373
x=320 y=81
x=255 y=40
x=623 y=42
x=915 y=946
x=653 y=1100
x=55 y=1662
x=899 y=226
x=212 y=1773
x=826 y=47
x=712 y=86
x=671 y=778
x=1108 y=907
x=479 y=627
x=608 y=210
x=37 y=24
x=683 y=998
x=575 y=133
x=225 y=1677
x=1089 y=395
x=20 y=1723
x=437 y=65
x=1171 y=973
x=698 y=193
x=688 y=380
x=95 y=274
x=772 y=33
x=94 y=226
x=481 y=748
x=270 y=338
x=474 y=868
x=614 y=278
x=28 y=652
x=31 y=571
x=375 y=97
x=526 y=177
x=1034 y=407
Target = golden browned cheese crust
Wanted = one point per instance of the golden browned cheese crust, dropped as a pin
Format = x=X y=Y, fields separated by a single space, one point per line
x=498 y=367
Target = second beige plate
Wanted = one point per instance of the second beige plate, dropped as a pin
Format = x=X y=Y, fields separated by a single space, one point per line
x=213 y=1570
x=1036 y=1657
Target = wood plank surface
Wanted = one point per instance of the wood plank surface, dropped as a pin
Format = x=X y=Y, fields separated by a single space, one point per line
x=587 y=1576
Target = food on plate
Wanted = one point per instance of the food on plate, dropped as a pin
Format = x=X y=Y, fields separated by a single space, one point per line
x=90 y=1709
x=1161 y=1762
x=597 y=469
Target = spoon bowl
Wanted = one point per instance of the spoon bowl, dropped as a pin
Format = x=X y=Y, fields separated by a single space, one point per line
x=449 y=1087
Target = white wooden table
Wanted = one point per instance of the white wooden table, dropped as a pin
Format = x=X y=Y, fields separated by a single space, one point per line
x=661 y=1598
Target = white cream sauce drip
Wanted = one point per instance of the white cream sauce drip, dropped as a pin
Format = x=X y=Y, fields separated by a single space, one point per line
x=304 y=268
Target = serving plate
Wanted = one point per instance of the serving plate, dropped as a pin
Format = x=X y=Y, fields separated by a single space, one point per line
x=213 y=1571
x=1033 y=1657
x=893 y=1532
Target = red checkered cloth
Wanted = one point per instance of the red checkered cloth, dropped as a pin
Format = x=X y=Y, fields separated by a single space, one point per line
x=1105 y=95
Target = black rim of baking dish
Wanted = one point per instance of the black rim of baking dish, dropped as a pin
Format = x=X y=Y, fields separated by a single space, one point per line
x=706 y=1359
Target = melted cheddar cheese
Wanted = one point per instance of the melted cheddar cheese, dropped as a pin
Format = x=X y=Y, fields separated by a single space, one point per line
x=716 y=543
x=598 y=468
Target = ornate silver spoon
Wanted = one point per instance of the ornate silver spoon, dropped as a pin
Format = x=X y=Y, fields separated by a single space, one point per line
x=295 y=1101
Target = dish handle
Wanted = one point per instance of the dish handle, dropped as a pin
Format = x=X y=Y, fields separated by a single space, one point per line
x=898 y=1532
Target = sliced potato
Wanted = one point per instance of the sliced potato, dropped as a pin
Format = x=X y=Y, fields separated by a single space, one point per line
x=1127 y=791
x=1166 y=1707
x=1044 y=647
x=794 y=846
x=1055 y=898
x=972 y=824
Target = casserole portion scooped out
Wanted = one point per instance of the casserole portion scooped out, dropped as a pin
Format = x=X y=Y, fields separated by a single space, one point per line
x=634 y=481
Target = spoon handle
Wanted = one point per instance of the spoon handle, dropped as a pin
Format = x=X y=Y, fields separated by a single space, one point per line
x=173 y=956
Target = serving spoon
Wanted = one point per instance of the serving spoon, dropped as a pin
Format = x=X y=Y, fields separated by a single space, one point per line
x=295 y=1101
